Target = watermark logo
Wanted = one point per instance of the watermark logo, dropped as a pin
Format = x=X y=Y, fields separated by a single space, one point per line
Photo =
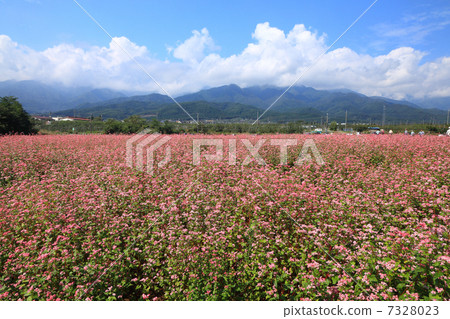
x=148 y=143
x=304 y=155
x=141 y=149
x=254 y=149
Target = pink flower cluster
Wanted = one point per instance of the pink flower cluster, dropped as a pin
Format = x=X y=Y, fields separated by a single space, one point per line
x=369 y=224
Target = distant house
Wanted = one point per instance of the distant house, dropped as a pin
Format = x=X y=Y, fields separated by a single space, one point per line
x=42 y=118
x=69 y=118
x=46 y=119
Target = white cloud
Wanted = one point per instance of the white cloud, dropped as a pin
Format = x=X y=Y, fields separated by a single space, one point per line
x=274 y=58
x=411 y=29
x=193 y=49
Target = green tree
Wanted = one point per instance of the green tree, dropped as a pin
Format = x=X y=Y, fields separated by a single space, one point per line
x=155 y=125
x=333 y=126
x=167 y=128
x=113 y=126
x=134 y=124
x=360 y=128
x=436 y=129
x=219 y=127
x=202 y=128
x=13 y=118
x=294 y=127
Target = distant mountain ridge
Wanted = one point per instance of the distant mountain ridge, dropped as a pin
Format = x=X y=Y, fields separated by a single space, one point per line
x=37 y=97
x=228 y=102
x=442 y=103
x=232 y=102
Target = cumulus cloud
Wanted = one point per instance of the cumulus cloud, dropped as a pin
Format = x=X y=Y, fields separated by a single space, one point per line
x=273 y=58
x=193 y=49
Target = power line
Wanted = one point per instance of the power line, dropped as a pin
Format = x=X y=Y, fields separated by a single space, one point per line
x=316 y=60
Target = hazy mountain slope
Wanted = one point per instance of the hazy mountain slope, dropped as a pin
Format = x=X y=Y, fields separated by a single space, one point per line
x=34 y=96
x=442 y=103
x=95 y=96
x=37 y=97
x=225 y=102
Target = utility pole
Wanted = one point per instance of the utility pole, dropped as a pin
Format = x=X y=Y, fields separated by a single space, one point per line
x=448 y=113
x=326 y=126
x=197 y=123
x=345 y=121
x=257 y=117
x=384 y=115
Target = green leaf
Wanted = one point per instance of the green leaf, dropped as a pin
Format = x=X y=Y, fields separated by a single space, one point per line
x=400 y=286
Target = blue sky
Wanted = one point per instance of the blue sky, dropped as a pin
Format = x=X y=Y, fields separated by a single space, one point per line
x=229 y=29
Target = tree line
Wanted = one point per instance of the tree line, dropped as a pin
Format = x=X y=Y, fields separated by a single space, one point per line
x=15 y=120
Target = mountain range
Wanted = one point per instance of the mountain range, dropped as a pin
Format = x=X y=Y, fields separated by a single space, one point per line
x=37 y=97
x=229 y=102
